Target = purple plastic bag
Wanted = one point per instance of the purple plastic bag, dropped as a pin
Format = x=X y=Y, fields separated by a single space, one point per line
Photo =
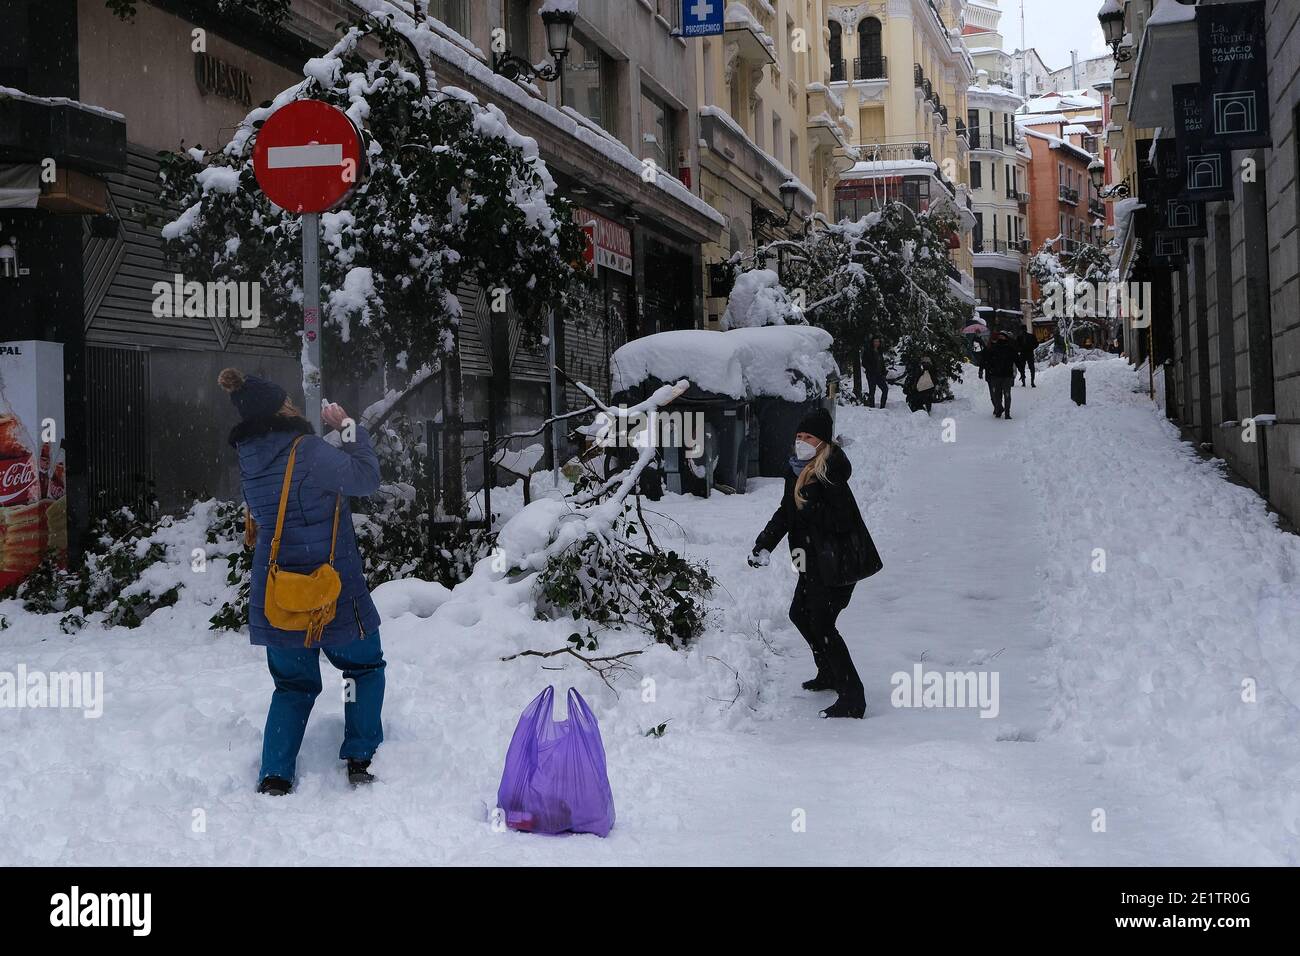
x=555 y=780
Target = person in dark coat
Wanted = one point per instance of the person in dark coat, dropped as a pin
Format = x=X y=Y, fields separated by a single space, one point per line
x=831 y=549
x=977 y=355
x=1027 y=344
x=920 y=385
x=1000 y=369
x=876 y=369
x=324 y=477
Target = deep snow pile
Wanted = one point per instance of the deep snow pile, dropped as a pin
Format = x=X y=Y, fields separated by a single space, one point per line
x=183 y=710
x=1197 y=601
x=742 y=362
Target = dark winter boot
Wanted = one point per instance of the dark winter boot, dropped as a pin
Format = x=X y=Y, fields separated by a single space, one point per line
x=359 y=772
x=845 y=708
x=820 y=682
x=275 y=786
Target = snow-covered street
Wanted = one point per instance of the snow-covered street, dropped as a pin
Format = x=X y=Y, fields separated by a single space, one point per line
x=1118 y=733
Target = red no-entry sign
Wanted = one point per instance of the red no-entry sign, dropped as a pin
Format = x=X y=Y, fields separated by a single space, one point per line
x=307 y=157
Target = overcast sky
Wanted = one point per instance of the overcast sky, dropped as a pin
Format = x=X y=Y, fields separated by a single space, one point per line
x=1054 y=28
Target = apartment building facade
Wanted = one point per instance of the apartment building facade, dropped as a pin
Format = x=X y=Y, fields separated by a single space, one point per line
x=767 y=119
x=997 y=172
x=903 y=73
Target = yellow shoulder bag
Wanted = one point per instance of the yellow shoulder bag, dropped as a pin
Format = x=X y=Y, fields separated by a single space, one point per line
x=301 y=602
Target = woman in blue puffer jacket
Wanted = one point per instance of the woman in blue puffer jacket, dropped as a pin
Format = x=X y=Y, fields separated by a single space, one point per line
x=269 y=424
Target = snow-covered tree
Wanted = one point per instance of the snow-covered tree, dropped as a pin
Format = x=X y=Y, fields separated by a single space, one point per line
x=886 y=276
x=452 y=193
x=1073 y=288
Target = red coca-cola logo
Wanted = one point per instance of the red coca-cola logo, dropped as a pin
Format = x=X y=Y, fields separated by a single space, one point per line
x=16 y=478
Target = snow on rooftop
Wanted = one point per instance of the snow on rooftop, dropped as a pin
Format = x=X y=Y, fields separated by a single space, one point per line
x=740 y=363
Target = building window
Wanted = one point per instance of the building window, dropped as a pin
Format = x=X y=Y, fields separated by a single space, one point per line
x=518 y=18
x=588 y=82
x=976 y=174
x=836 y=50
x=658 y=131
x=777 y=138
x=454 y=13
x=869 y=52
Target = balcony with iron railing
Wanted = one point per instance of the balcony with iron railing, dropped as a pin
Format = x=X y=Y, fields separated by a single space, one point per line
x=1068 y=195
x=982 y=140
x=1001 y=79
x=1096 y=207
x=870 y=67
x=1021 y=197
x=894 y=152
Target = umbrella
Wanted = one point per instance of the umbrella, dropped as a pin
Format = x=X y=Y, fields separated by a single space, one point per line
x=975 y=328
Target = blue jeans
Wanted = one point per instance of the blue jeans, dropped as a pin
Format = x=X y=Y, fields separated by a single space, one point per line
x=296 y=671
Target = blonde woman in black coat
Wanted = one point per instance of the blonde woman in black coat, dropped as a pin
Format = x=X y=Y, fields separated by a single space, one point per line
x=831 y=549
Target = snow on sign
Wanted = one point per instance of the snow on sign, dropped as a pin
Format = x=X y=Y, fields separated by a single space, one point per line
x=307 y=157
x=702 y=18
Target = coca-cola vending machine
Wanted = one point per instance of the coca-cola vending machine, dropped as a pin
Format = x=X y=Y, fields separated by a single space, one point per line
x=33 y=490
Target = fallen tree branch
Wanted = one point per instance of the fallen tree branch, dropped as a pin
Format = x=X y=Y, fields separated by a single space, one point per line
x=604 y=666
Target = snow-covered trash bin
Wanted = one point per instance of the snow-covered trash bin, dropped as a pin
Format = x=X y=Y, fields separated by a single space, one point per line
x=749 y=388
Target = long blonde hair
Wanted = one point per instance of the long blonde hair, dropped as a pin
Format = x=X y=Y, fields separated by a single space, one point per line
x=816 y=468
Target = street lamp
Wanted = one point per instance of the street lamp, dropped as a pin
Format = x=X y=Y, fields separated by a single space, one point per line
x=759 y=216
x=558 y=20
x=1097 y=173
x=1111 y=16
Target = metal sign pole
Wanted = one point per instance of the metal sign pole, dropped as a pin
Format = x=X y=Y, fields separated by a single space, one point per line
x=311 y=368
x=557 y=432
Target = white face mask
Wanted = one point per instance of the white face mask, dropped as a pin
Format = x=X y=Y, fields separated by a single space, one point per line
x=804 y=451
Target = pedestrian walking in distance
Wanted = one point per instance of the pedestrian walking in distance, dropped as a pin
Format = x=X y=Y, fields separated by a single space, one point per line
x=830 y=548
x=1028 y=344
x=873 y=362
x=1000 y=370
x=297 y=486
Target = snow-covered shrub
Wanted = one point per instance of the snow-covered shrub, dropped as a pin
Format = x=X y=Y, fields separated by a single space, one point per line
x=120 y=547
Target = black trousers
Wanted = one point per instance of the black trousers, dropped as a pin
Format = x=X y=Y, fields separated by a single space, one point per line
x=873 y=383
x=813 y=611
x=1000 y=392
